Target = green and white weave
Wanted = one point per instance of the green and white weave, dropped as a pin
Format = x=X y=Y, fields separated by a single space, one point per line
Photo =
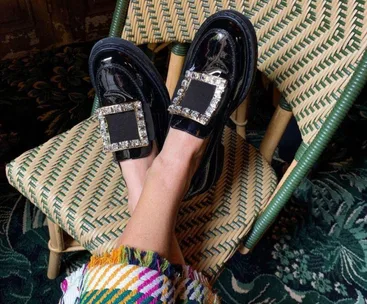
x=308 y=48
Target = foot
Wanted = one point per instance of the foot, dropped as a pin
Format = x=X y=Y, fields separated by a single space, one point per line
x=134 y=172
x=182 y=151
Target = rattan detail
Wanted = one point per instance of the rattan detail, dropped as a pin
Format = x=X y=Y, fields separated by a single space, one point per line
x=80 y=188
x=309 y=48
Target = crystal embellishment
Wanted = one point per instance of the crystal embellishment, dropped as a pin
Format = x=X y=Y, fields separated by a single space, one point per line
x=176 y=107
x=135 y=106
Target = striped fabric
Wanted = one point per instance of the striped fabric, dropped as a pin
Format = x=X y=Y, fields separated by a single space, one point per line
x=128 y=275
x=119 y=283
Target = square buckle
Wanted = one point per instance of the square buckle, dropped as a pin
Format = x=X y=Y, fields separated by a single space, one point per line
x=177 y=109
x=136 y=106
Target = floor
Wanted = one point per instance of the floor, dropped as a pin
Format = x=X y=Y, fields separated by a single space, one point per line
x=316 y=252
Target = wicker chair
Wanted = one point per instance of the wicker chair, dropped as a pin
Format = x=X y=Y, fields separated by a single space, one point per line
x=314 y=51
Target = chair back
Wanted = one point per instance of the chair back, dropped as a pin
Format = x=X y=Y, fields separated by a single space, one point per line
x=309 y=49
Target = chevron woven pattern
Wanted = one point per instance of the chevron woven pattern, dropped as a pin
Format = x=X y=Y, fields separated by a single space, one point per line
x=308 y=48
x=81 y=189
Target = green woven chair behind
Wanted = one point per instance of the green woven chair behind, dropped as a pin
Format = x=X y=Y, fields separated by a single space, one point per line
x=314 y=51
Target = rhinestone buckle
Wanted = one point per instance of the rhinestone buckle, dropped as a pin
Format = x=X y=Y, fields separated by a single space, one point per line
x=136 y=106
x=177 y=109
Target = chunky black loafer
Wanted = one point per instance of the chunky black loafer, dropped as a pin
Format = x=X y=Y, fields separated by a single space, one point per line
x=133 y=97
x=217 y=75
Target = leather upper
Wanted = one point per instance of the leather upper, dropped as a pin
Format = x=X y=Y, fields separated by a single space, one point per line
x=224 y=46
x=119 y=77
x=214 y=54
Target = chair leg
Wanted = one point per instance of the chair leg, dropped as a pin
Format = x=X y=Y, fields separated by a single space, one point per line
x=176 y=62
x=54 y=263
x=243 y=250
x=274 y=132
x=254 y=237
x=239 y=117
x=56 y=246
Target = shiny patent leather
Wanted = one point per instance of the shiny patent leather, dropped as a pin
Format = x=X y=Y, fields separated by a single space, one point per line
x=224 y=46
x=215 y=56
x=120 y=72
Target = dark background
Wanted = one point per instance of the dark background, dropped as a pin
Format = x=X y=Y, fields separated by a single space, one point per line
x=31 y=25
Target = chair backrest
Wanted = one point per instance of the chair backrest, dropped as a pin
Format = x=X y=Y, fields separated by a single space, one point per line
x=310 y=49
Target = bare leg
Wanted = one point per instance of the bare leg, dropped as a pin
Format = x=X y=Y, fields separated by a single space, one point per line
x=152 y=224
x=135 y=171
x=176 y=256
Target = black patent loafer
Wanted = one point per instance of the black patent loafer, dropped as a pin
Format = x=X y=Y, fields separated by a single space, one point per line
x=133 y=98
x=217 y=75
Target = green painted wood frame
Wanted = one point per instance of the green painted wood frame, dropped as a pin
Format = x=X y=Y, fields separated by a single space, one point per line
x=306 y=157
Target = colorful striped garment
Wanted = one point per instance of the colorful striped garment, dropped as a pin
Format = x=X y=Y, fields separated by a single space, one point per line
x=129 y=275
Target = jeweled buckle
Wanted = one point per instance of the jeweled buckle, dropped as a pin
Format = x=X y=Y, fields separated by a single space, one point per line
x=136 y=106
x=177 y=109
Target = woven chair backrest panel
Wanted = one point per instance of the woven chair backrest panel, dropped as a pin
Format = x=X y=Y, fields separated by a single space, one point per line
x=308 y=48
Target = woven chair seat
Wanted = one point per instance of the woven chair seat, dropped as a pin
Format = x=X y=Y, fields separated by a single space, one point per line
x=80 y=188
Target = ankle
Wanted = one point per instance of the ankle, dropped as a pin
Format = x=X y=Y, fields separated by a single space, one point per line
x=182 y=147
x=134 y=172
x=133 y=200
x=174 y=172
